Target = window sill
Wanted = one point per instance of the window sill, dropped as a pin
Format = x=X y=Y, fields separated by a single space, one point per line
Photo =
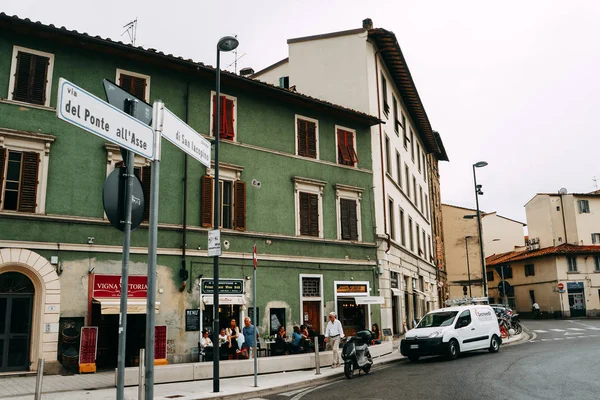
x=573 y=272
x=28 y=105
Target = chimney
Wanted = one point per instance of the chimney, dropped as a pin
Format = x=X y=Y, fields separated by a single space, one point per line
x=246 y=71
x=368 y=23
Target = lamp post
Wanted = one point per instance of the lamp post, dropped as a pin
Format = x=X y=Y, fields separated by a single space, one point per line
x=478 y=192
x=226 y=43
x=468 y=267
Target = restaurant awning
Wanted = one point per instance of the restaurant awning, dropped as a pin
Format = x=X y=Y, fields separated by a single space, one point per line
x=134 y=306
x=369 y=300
x=417 y=291
x=396 y=292
x=226 y=300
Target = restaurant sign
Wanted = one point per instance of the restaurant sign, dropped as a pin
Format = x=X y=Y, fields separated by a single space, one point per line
x=226 y=286
x=107 y=286
x=351 y=288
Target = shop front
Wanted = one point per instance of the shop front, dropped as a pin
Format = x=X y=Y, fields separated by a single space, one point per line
x=353 y=315
x=576 y=299
x=231 y=302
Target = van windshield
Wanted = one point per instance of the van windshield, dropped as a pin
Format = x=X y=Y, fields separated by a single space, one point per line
x=433 y=320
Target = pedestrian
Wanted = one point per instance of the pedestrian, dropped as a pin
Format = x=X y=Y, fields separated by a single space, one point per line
x=250 y=335
x=233 y=332
x=333 y=333
x=535 y=308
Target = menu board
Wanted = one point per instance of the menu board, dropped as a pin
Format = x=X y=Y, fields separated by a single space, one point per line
x=192 y=319
x=160 y=342
x=88 y=345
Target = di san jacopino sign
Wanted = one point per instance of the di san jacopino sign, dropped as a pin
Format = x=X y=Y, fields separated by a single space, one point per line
x=226 y=286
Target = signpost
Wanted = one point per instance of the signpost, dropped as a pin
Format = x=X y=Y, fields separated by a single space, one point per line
x=214 y=243
x=561 y=286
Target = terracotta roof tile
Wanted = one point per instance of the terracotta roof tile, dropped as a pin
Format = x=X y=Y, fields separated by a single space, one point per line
x=512 y=256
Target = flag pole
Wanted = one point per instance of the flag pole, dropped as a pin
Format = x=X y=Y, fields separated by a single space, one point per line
x=255 y=259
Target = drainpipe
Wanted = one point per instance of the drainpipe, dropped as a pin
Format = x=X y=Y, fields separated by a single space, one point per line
x=389 y=243
x=562 y=209
x=185 y=275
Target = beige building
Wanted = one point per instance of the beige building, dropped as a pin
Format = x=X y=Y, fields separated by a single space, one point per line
x=462 y=249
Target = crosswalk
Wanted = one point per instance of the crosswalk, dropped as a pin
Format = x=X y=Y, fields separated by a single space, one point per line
x=565 y=333
x=565 y=330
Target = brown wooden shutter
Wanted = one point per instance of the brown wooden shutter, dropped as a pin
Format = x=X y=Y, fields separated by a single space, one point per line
x=146 y=184
x=21 y=89
x=345 y=219
x=207 y=201
x=229 y=132
x=304 y=214
x=39 y=73
x=311 y=139
x=314 y=214
x=302 y=132
x=2 y=164
x=139 y=88
x=240 y=205
x=29 y=182
x=125 y=81
x=353 y=219
x=343 y=148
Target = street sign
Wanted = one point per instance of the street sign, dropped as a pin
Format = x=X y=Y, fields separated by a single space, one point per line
x=561 y=291
x=119 y=97
x=81 y=108
x=183 y=136
x=113 y=196
x=561 y=286
x=214 y=243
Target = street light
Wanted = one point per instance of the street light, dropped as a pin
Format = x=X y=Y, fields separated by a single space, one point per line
x=226 y=43
x=468 y=267
x=478 y=192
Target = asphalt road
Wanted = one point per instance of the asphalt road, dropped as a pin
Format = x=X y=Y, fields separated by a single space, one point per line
x=562 y=361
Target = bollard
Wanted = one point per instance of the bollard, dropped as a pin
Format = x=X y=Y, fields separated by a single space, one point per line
x=142 y=376
x=38 y=380
x=318 y=366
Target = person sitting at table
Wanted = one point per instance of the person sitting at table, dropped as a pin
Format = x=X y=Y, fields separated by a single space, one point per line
x=304 y=332
x=206 y=345
x=280 y=342
x=233 y=332
x=296 y=338
x=375 y=334
x=223 y=344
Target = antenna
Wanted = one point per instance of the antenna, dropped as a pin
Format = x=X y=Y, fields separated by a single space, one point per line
x=236 y=58
x=595 y=180
x=131 y=30
x=562 y=191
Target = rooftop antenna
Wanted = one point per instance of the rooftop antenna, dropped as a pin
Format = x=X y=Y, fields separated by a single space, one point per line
x=131 y=30
x=236 y=58
x=595 y=180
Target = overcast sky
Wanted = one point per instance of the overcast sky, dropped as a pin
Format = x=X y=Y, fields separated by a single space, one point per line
x=514 y=83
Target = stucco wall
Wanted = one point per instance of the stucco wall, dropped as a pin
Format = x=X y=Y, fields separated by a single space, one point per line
x=501 y=235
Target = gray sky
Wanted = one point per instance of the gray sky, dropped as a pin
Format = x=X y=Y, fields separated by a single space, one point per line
x=514 y=83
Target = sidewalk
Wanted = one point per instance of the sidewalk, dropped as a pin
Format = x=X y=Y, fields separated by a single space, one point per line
x=232 y=388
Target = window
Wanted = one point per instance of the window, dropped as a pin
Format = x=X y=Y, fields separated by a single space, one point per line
x=490 y=276
x=227 y=116
x=412 y=144
x=584 y=206
x=411 y=234
x=396 y=122
x=507 y=271
x=595 y=238
x=391 y=219
x=427 y=207
x=529 y=270
x=24 y=170
x=136 y=84
x=284 y=82
x=572 y=262
x=419 y=250
x=597 y=263
x=399 y=169
x=311 y=287
x=424 y=168
x=346 y=147
x=424 y=245
x=421 y=199
x=388 y=158
x=407 y=173
x=403 y=125
x=464 y=319
x=430 y=249
x=31 y=76
x=419 y=157
x=393 y=279
x=232 y=200
x=348 y=209
x=306 y=134
x=414 y=185
x=386 y=106
x=308 y=199
x=402 y=228
x=532 y=296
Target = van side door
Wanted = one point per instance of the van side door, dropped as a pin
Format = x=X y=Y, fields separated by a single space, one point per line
x=465 y=331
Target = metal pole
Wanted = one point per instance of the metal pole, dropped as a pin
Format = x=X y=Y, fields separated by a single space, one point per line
x=141 y=375
x=216 y=226
x=317 y=361
x=39 y=379
x=255 y=330
x=157 y=125
x=468 y=267
x=483 y=276
x=504 y=299
x=125 y=271
x=201 y=315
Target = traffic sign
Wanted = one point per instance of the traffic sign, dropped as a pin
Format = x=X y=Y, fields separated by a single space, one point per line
x=561 y=286
x=113 y=198
x=183 y=136
x=81 y=108
x=118 y=97
x=214 y=243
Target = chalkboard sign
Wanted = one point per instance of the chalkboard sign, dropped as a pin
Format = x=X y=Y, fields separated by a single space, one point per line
x=387 y=332
x=251 y=315
x=192 y=319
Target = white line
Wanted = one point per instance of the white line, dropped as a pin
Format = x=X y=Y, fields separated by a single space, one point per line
x=533 y=341
x=540 y=331
x=594 y=335
x=546 y=340
x=576 y=329
x=559 y=338
x=593 y=328
x=301 y=395
x=572 y=337
x=292 y=392
x=557 y=330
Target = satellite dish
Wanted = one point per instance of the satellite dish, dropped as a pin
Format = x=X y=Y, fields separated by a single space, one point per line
x=563 y=191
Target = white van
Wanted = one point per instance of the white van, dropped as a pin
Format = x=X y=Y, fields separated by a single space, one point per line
x=452 y=330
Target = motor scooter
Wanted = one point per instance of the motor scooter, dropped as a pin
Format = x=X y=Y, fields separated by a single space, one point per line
x=356 y=355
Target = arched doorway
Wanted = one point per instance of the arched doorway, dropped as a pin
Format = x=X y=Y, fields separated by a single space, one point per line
x=16 y=306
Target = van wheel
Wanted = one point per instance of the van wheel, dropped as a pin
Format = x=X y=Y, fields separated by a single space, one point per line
x=413 y=358
x=453 y=349
x=494 y=344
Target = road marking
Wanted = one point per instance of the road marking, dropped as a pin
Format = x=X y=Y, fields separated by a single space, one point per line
x=292 y=392
x=573 y=333
x=559 y=338
x=593 y=328
x=546 y=340
x=576 y=329
x=594 y=335
x=533 y=341
x=540 y=331
x=301 y=395
x=557 y=330
x=576 y=337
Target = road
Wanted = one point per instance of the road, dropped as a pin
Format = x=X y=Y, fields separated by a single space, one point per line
x=561 y=361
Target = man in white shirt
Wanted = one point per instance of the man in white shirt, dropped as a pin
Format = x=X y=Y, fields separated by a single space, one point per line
x=333 y=333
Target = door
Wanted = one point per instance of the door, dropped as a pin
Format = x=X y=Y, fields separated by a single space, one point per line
x=395 y=313
x=577 y=304
x=311 y=314
x=465 y=331
x=16 y=306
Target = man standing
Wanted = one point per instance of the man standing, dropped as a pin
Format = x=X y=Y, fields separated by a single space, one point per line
x=536 y=310
x=250 y=334
x=333 y=333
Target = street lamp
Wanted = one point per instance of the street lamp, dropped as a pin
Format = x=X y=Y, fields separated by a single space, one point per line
x=226 y=43
x=468 y=267
x=478 y=193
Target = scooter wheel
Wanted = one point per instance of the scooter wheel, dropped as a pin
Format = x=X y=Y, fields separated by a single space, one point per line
x=349 y=370
x=367 y=369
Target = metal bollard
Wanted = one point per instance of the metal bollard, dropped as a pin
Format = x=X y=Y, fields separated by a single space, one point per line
x=317 y=363
x=38 y=380
x=142 y=375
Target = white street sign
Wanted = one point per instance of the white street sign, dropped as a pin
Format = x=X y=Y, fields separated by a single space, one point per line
x=183 y=136
x=214 y=243
x=83 y=109
x=369 y=300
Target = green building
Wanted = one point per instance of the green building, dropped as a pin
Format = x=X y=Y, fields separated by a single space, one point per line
x=296 y=180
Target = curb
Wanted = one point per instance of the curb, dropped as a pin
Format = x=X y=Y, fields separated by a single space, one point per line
x=526 y=336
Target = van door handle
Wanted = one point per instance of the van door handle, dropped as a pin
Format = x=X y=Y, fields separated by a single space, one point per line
x=472 y=329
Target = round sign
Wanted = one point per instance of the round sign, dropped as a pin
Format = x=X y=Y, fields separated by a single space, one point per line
x=440 y=284
x=113 y=196
x=561 y=286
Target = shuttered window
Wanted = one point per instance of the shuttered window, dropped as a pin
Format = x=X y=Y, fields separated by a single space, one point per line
x=307 y=138
x=207 y=201
x=309 y=214
x=31 y=78
x=239 y=203
x=346 y=151
x=227 y=120
x=349 y=219
x=232 y=202
x=19 y=180
x=134 y=84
